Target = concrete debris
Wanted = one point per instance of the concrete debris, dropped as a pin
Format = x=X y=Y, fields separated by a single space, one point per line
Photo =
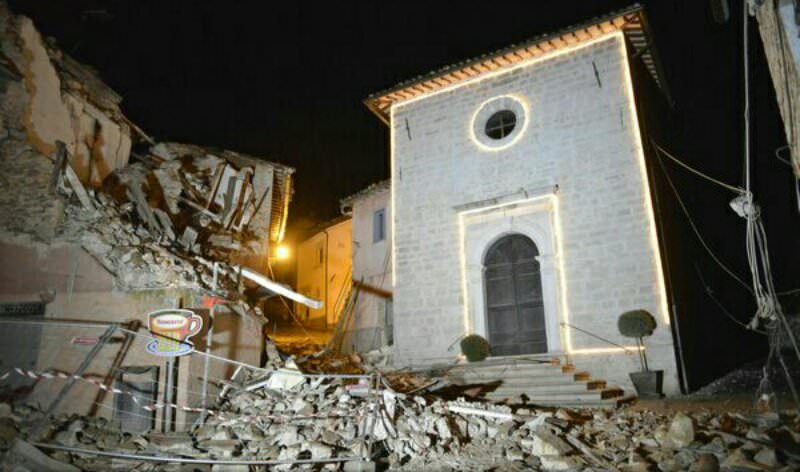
x=318 y=420
x=26 y=458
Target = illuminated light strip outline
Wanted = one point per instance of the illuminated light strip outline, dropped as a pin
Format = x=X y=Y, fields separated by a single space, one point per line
x=392 y=183
x=556 y=215
x=522 y=126
x=392 y=138
x=617 y=35
x=501 y=71
x=392 y=146
x=463 y=255
x=648 y=200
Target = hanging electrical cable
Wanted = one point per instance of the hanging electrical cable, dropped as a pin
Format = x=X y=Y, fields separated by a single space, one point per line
x=719 y=304
x=730 y=187
x=692 y=224
x=768 y=312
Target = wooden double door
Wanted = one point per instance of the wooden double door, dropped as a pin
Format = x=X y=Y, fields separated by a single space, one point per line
x=514 y=301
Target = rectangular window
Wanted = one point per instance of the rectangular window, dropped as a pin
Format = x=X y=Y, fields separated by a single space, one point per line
x=379 y=225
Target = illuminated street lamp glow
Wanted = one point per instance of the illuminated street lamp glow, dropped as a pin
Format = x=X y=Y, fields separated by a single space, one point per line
x=281 y=252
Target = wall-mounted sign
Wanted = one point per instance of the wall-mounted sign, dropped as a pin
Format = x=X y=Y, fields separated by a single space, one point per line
x=172 y=329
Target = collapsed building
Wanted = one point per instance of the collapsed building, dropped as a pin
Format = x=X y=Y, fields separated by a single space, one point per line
x=97 y=236
x=101 y=225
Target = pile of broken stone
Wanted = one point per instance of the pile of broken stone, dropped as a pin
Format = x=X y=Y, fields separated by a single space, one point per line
x=162 y=221
x=321 y=419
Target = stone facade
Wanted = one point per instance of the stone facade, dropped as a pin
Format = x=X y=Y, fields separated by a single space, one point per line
x=571 y=178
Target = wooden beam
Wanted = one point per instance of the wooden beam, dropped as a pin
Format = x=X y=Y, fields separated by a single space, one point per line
x=607 y=27
x=594 y=30
x=461 y=74
x=372 y=289
x=535 y=50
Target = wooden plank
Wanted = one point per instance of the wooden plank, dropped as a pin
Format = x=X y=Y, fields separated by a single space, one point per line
x=75 y=182
x=372 y=289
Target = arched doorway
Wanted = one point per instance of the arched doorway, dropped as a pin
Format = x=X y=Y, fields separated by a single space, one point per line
x=514 y=302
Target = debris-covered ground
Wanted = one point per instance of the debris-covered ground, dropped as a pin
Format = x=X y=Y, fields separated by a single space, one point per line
x=324 y=418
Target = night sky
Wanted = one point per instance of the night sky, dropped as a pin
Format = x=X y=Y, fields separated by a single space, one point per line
x=286 y=80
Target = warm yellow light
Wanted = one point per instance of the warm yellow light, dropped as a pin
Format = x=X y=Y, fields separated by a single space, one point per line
x=648 y=202
x=562 y=277
x=392 y=185
x=462 y=248
x=282 y=252
x=607 y=350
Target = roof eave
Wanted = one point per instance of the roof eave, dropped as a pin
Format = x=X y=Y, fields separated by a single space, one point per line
x=372 y=101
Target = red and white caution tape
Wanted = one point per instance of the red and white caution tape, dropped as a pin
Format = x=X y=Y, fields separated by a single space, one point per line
x=50 y=375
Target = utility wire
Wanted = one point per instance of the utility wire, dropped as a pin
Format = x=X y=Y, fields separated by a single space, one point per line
x=697 y=172
x=719 y=304
x=694 y=226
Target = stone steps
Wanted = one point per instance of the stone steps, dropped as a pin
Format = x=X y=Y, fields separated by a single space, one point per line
x=548 y=383
x=540 y=387
x=550 y=378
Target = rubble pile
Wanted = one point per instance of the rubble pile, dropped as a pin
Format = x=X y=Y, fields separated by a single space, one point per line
x=153 y=214
x=45 y=97
x=160 y=222
x=322 y=419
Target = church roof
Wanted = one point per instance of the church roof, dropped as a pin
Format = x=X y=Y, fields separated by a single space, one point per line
x=631 y=21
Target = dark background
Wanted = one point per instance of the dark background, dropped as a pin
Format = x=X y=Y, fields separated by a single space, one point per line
x=285 y=81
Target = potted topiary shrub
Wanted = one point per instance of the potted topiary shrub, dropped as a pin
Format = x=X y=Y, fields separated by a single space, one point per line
x=475 y=348
x=640 y=324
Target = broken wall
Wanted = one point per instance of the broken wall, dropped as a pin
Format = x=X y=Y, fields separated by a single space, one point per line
x=63 y=101
x=45 y=97
x=62 y=348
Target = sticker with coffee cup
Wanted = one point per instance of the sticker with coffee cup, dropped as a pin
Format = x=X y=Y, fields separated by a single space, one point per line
x=172 y=329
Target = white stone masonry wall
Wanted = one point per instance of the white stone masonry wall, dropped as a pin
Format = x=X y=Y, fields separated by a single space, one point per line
x=581 y=136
